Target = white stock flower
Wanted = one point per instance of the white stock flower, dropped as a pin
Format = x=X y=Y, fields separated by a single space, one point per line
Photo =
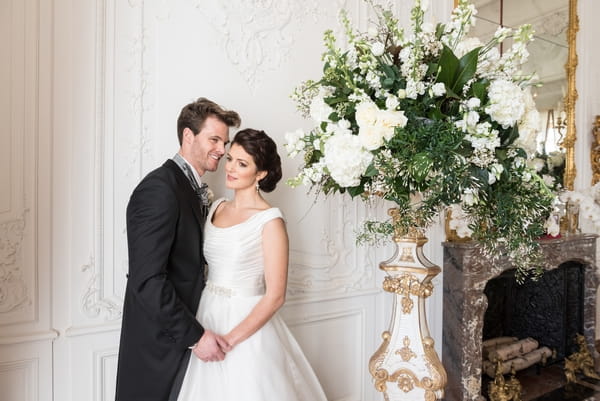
x=319 y=110
x=466 y=45
x=346 y=159
x=438 y=89
x=507 y=103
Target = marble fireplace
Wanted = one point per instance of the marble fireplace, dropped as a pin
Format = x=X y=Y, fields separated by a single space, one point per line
x=466 y=275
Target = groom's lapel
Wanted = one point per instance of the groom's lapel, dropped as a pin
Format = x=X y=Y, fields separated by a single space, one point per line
x=190 y=196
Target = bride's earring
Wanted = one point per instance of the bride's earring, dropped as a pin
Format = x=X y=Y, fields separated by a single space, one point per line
x=257 y=186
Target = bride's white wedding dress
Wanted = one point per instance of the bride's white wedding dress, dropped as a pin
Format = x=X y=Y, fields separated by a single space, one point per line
x=267 y=366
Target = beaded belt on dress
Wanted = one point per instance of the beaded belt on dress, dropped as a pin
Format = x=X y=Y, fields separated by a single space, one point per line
x=233 y=291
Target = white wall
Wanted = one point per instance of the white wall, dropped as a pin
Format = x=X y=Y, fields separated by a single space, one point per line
x=89 y=95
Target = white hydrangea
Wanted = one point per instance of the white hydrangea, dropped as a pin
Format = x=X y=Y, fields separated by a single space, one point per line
x=529 y=125
x=507 y=103
x=346 y=159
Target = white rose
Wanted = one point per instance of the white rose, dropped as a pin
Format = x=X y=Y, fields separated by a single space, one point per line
x=391 y=102
x=392 y=118
x=371 y=136
x=377 y=49
x=366 y=113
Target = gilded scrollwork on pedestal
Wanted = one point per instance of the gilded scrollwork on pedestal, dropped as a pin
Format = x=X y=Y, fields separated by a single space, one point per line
x=407 y=285
x=406 y=353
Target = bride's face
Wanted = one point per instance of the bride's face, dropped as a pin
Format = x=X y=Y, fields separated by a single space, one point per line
x=240 y=169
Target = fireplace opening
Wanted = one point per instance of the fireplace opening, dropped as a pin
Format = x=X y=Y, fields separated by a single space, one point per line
x=536 y=316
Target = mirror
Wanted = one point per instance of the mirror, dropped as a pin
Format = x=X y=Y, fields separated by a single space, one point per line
x=552 y=57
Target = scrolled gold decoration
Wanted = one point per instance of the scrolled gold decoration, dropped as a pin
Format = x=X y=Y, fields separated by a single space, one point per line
x=407 y=305
x=596 y=152
x=407 y=284
x=405 y=352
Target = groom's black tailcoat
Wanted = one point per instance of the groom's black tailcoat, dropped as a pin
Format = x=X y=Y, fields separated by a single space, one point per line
x=166 y=279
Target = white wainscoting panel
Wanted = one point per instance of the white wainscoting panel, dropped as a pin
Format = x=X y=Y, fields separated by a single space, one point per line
x=26 y=371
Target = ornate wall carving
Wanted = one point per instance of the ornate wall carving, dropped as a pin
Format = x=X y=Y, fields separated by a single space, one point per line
x=13 y=289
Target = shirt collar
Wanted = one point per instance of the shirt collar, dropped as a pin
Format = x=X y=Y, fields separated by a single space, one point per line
x=192 y=169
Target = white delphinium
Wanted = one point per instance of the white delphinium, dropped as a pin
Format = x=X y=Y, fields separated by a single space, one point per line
x=506 y=104
x=294 y=142
x=319 y=110
x=346 y=159
x=461 y=21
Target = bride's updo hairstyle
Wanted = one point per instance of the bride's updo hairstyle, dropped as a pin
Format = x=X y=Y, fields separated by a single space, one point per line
x=264 y=152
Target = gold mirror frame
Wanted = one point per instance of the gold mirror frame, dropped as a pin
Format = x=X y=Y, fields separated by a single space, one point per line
x=570 y=97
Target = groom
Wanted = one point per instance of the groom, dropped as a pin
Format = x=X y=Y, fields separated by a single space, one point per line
x=165 y=220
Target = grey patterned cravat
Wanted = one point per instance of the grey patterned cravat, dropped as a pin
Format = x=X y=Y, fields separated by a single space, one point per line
x=200 y=190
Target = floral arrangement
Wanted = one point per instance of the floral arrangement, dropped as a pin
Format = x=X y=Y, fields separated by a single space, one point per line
x=426 y=119
x=551 y=167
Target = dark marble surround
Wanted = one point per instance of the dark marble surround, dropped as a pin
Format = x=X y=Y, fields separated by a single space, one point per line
x=466 y=273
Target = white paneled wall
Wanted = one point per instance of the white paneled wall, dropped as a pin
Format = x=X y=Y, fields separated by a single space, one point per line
x=89 y=95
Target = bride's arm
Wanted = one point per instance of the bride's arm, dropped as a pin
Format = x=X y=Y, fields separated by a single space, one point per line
x=275 y=251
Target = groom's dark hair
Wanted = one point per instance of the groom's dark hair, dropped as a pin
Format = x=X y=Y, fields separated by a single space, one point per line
x=194 y=115
x=264 y=152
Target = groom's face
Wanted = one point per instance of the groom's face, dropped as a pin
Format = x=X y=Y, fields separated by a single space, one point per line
x=208 y=146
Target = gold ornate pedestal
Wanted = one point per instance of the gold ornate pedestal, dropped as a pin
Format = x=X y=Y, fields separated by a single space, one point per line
x=406 y=366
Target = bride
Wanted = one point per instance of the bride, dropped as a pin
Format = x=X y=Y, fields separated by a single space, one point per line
x=246 y=247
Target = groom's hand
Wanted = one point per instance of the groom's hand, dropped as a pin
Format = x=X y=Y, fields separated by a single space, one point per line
x=208 y=348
